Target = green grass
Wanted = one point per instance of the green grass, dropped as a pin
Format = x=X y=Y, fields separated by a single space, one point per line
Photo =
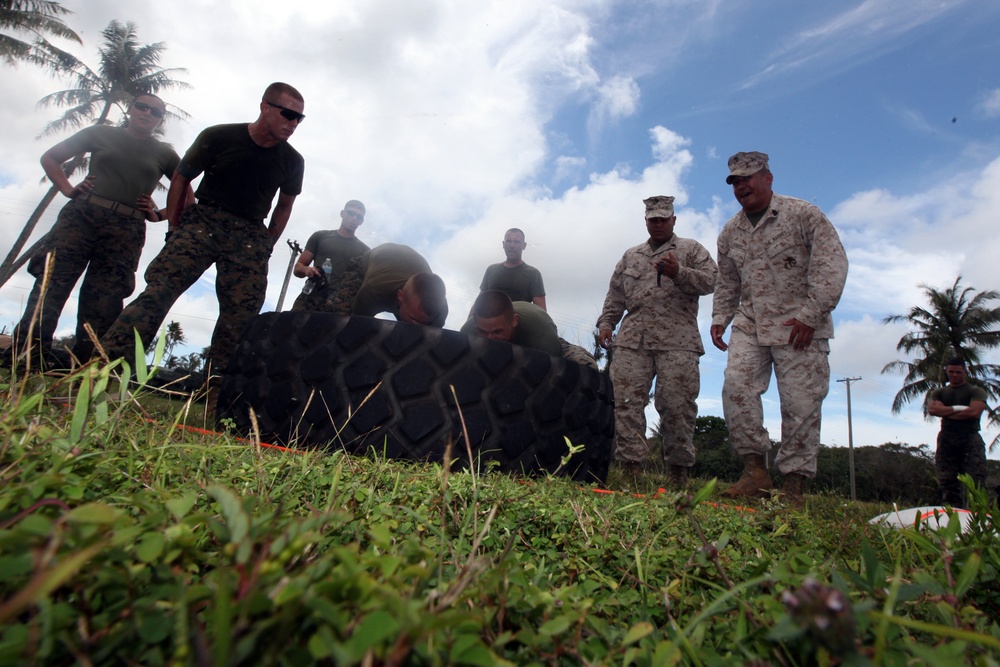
x=125 y=541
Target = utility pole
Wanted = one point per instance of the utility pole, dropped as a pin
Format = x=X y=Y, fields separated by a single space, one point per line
x=296 y=249
x=850 y=433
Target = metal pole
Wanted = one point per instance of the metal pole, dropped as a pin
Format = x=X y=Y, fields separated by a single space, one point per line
x=294 y=246
x=850 y=433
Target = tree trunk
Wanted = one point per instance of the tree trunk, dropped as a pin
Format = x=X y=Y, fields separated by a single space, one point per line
x=12 y=263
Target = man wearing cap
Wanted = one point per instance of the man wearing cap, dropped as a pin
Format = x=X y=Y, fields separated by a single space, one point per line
x=244 y=165
x=391 y=278
x=332 y=247
x=782 y=270
x=656 y=286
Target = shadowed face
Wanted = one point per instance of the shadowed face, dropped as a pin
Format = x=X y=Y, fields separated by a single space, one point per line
x=410 y=309
x=352 y=216
x=500 y=327
x=513 y=246
x=660 y=229
x=146 y=113
x=956 y=374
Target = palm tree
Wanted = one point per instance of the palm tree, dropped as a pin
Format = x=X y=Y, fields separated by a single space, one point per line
x=127 y=68
x=35 y=19
x=957 y=323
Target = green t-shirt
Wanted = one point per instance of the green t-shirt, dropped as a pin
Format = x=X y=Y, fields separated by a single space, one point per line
x=123 y=166
x=963 y=395
x=340 y=250
x=240 y=176
x=386 y=268
x=520 y=283
x=535 y=329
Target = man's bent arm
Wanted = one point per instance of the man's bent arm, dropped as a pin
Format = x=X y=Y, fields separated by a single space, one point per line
x=279 y=216
x=302 y=269
x=177 y=198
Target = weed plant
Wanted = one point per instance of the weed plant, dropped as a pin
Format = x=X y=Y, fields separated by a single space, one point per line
x=125 y=541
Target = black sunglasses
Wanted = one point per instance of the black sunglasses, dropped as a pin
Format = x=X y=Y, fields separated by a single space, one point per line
x=287 y=113
x=142 y=106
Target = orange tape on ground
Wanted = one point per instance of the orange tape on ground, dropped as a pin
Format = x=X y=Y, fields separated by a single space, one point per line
x=202 y=431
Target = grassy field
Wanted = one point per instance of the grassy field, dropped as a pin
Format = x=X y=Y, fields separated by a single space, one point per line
x=128 y=538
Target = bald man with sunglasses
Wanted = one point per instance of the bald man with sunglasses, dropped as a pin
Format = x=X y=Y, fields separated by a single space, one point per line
x=244 y=166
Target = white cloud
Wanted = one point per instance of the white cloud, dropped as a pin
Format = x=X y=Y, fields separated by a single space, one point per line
x=618 y=98
x=989 y=106
x=850 y=36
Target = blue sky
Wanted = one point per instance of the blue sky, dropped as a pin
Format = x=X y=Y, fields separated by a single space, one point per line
x=453 y=121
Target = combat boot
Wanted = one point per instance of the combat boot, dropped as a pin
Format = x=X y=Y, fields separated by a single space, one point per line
x=630 y=472
x=792 y=488
x=677 y=476
x=755 y=481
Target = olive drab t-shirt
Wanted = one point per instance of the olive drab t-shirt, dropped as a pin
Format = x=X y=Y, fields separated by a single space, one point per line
x=123 y=166
x=521 y=283
x=963 y=395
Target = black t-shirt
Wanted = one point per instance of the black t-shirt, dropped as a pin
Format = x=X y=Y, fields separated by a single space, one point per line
x=240 y=176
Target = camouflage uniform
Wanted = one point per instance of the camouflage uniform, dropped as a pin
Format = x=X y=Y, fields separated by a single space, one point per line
x=791 y=265
x=85 y=237
x=574 y=352
x=207 y=235
x=122 y=168
x=340 y=298
x=239 y=180
x=658 y=337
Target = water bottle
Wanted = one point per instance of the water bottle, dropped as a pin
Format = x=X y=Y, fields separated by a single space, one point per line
x=327 y=270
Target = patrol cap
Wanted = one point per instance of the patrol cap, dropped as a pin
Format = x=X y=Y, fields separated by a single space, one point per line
x=659 y=207
x=746 y=164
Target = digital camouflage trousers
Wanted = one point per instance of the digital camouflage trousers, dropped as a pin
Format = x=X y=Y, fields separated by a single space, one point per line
x=240 y=250
x=89 y=238
x=677 y=385
x=803 y=378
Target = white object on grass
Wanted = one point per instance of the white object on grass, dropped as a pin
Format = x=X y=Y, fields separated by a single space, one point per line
x=933 y=517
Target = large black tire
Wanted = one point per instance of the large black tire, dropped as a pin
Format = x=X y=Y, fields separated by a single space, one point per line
x=358 y=383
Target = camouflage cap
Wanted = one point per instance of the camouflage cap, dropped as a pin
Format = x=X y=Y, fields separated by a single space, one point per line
x=746 y=164
x=659 y=207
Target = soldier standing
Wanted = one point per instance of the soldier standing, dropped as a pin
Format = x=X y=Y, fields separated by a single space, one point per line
x=782 y=270
x=519 y=281
x=103 y=227
x=244 y=164
x=960 y=448
x=332 y=248
x=656 y=285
